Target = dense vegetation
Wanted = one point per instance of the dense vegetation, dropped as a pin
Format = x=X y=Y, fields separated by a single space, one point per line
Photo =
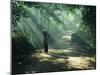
x=68 y=26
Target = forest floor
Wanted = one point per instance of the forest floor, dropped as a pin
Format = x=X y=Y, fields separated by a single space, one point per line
x=60 y=60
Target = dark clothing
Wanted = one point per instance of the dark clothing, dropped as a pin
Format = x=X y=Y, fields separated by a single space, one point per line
x=45 y=42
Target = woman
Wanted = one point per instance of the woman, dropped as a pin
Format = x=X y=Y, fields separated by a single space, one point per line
x=45 y=42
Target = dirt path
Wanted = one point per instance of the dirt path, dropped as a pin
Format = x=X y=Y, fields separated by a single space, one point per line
x=60 y=60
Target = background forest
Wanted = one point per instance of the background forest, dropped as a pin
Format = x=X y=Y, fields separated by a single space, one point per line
x=71 y=37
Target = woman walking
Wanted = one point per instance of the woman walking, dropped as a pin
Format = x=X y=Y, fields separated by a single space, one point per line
x=45 y=41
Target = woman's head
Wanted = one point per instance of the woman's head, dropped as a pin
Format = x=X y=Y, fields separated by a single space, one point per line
x=45 y=33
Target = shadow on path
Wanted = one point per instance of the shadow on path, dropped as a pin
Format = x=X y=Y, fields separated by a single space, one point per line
x=54 y=61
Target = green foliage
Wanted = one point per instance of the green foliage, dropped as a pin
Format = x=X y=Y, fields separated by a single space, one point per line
x=21 y=44
x=18 y=11
x=60 y=20
x=89 y=24
x=21 y=51
x=71 y=27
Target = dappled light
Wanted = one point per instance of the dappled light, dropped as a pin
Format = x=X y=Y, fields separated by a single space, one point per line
x=52 y=37
x=69 y=62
